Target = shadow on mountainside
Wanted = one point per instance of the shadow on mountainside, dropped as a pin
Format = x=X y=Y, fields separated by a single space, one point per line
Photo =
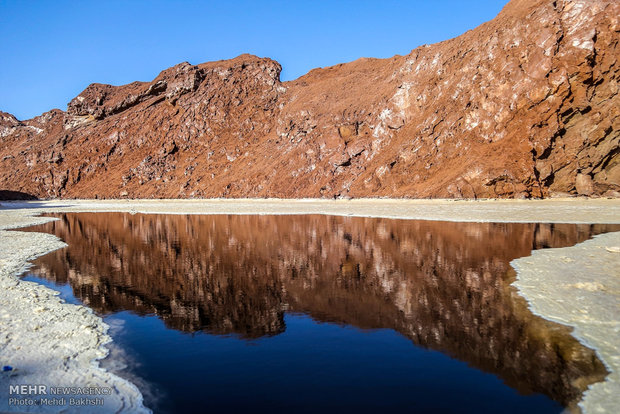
x=13 y=200
x=8 y=195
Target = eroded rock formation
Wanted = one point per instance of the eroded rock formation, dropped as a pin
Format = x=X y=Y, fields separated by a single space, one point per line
x=525 y=105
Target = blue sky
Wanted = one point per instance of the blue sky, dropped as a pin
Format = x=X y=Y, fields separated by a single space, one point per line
x=51 y=50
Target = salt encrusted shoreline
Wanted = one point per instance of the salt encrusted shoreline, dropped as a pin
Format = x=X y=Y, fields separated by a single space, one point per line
x=566 y=210
x=579 y=286
x=51 y=342
x=47 y=341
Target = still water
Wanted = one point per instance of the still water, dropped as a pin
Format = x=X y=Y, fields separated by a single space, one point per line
x=321 y=313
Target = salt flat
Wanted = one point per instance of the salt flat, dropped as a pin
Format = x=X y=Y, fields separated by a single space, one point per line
x=568 y=210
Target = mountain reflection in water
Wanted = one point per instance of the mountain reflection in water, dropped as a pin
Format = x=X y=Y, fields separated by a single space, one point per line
x=445 y=286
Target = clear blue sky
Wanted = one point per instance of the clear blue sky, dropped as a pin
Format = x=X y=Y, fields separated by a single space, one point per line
x=51 y=50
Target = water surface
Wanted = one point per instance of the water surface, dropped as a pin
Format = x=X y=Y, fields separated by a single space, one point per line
x=310 y=313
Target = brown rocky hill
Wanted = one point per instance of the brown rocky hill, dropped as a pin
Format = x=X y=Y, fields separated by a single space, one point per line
x=525 y=105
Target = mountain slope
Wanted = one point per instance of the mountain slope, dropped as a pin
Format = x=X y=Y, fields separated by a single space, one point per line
x=525 y=105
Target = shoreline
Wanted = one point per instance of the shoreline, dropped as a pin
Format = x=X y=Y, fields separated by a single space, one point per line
x=579 y=286
x=47 y=341
x=27 y=299
x=556 y=210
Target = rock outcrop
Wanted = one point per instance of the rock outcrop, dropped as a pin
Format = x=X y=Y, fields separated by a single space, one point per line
x=525 y=105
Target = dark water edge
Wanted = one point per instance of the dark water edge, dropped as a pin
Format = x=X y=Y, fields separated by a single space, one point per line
x=308 y=313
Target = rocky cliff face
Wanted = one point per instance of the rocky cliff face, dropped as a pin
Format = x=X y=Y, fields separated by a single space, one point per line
x=525 y=105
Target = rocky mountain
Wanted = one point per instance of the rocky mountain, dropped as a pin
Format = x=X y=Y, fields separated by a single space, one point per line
x=525 y=105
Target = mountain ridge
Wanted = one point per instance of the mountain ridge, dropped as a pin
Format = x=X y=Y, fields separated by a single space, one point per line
x=523 y=106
